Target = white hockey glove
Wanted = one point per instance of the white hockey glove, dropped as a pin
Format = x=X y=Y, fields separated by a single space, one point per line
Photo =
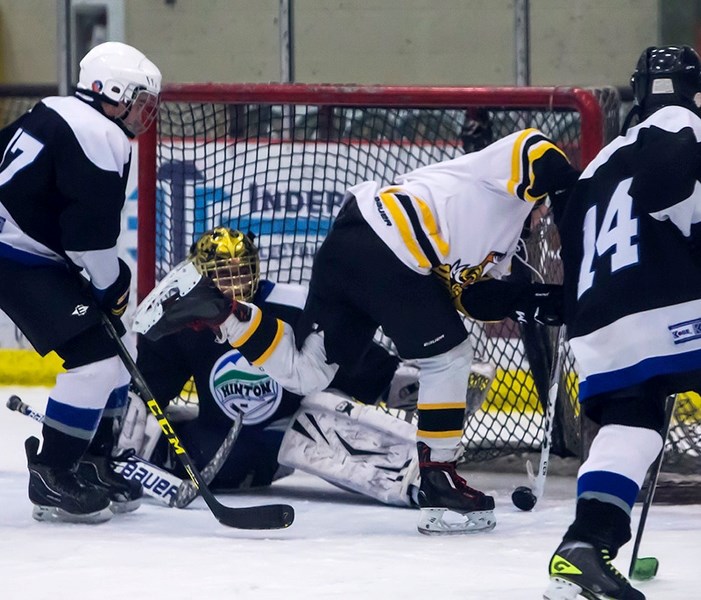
x=140 y=429
x=403 y=391
x=354 y=446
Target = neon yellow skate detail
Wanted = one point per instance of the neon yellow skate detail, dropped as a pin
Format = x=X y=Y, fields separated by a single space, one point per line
x=561 y=566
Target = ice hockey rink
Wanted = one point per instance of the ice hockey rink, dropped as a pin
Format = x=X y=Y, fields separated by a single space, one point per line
x=340 y=545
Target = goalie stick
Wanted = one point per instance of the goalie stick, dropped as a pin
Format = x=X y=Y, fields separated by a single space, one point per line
x=158 y=483
x=187 y=491
x=269 y=516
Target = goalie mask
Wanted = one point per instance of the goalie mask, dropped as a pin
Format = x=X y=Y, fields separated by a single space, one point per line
x=122 y=76
x=230 y=259
x=668 y=75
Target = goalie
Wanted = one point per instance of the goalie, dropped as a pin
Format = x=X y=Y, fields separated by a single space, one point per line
x=338 y=435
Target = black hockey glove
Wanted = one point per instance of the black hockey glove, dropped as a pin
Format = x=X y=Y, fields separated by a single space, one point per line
x=203 y=307
x=540 y=303
x=496 y=299
x=115 y=298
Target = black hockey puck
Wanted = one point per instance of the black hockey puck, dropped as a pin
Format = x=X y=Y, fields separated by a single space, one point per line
x=523 y=498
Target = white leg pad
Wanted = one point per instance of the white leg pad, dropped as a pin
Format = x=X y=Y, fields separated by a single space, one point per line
x=353 y=446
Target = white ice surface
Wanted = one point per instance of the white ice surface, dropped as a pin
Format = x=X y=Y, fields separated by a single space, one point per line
x=340 y=546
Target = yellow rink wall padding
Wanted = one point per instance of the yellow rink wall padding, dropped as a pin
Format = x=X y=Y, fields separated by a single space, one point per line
x=513 y=390
x=26 y=367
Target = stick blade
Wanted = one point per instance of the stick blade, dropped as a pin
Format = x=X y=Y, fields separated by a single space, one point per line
x=269 y=516
x=644 y=569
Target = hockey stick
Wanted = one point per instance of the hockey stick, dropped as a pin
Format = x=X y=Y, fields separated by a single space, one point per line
x=187 y=491
x=269 y=516
x=646 y=567
x=157 y=482
x=524 y=497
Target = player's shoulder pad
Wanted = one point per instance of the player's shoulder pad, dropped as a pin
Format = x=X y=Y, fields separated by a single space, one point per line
x=101 y=140
x=287 y=294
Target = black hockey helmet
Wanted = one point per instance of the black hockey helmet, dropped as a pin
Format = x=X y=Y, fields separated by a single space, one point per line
x=667 y=75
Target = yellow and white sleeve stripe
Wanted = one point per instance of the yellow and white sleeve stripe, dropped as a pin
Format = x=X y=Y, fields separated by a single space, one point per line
x=417 y=226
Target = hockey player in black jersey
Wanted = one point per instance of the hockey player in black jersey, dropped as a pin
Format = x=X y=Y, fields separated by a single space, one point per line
x=404 y=257
x=62 y=186
x=359 y=447
x=630 y=234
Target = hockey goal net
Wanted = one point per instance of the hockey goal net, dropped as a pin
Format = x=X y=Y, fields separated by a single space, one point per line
x=276 y=160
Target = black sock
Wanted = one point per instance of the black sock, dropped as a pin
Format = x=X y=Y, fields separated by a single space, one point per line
x=60 y=449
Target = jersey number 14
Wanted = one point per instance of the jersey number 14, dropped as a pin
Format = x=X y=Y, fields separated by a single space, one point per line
x=618 y=232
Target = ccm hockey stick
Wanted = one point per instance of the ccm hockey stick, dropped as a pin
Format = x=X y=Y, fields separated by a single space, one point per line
x=646 y=567
x=158 y=483
x=270 y=516
x=524 y=497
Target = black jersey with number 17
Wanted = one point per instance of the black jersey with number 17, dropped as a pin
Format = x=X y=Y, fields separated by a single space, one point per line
x=62 y=182
x=630 y=245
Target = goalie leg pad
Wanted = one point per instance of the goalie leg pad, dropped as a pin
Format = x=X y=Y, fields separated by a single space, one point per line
x=353 y=446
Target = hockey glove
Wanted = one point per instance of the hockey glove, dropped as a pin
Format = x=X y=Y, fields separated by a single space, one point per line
x=496 y=299
x=185 y=298
x=403 y=391
x=114 y=299
x=540 y=303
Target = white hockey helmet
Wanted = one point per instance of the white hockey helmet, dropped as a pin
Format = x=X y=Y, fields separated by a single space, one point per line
x=120 y=74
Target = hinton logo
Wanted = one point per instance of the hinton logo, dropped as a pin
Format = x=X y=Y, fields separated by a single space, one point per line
x=80 y=310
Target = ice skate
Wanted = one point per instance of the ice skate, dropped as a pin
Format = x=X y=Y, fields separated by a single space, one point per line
x=448 y=505
x=61 y=494
x=125 y=494
x=579 y=569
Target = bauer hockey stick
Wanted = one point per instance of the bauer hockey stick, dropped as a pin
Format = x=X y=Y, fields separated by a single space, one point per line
x=524 y=497
x=646 y=567
x=269 y=516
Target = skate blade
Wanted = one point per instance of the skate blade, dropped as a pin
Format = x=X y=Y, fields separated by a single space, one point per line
x=53 y=514
x=125 y=506
x=442 y=521
x=561 y=589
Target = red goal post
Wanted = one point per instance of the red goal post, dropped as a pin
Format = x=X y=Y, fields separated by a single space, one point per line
x=276 y=158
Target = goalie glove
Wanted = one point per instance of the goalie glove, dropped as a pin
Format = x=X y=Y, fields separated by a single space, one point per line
x=403 y=391
x=185 y=298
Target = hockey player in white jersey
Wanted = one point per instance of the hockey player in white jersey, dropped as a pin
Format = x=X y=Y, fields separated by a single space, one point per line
x=404 y=257
x=62 y=184
x=631 y=233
